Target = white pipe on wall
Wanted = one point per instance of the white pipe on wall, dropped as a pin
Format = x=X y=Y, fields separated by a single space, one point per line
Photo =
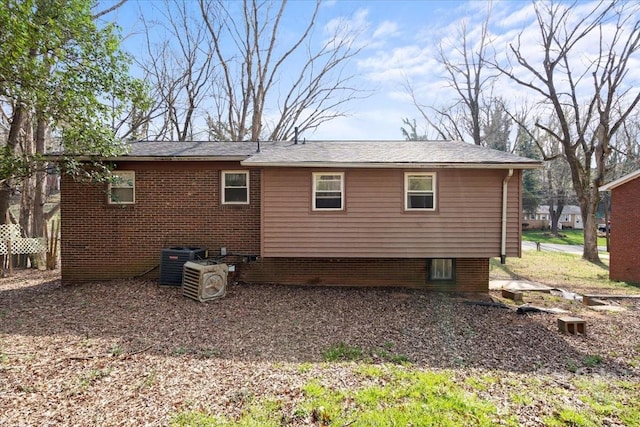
x=503 y=239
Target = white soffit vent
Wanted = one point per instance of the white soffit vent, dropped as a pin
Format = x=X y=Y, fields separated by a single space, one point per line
x=204 y=282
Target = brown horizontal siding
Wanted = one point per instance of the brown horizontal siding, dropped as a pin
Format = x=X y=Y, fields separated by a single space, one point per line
x=467 y=221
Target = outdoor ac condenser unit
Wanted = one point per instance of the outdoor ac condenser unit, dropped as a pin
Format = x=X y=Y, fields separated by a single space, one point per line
x=204 y=282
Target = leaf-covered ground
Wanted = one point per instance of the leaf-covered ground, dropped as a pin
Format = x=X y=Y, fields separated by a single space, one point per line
x=130 y=352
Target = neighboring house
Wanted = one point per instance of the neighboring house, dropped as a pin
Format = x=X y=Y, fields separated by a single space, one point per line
x=624 y=243
x=393 y=213
x=570 y=218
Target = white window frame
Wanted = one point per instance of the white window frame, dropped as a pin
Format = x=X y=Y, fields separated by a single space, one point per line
x=315 y=177
x=442 y=269
x=224 y=186
x=122 y=180
x=407 y=175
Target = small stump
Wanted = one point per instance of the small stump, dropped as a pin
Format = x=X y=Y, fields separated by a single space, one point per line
x=572 y=325
x=512 y=295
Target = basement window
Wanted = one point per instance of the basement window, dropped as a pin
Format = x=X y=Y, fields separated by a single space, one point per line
x=420 y=193
x=235 y=189
x=122 y=188
x=441 y=269
x=328 y=191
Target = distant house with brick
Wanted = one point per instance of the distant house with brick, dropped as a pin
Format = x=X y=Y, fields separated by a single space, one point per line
x=378 y=213
x=624 y=244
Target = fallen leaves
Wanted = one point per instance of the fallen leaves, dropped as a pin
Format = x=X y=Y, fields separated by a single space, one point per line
x=130 y=352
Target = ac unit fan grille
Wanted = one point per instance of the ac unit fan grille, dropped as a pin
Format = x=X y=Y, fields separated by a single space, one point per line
x=204 y=282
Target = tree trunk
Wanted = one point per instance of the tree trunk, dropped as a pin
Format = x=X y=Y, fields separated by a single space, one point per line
x=5 y=201
x=17 y=122
x=39 y=196
x=588 y=208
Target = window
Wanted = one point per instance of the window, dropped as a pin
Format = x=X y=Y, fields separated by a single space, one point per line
x=122 y=188
x=328 y=191
x=235 y=187
x=441 y=269
x=419 y=191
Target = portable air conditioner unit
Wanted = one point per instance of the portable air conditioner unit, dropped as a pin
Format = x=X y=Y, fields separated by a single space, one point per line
x=204 y=282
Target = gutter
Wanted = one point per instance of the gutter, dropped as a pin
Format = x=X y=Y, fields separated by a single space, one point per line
x=393 y=165
x=237 y=158
x=503 y=237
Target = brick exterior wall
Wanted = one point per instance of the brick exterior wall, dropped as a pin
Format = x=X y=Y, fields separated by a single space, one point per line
x=624 y=262
x=179 y=204
x=472 y=274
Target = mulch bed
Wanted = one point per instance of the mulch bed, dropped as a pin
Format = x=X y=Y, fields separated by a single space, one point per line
x=130 y=352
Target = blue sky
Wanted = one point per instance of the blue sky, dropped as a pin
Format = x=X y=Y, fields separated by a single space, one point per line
x=399 y=44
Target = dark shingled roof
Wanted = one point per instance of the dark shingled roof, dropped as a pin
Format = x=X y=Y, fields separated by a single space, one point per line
x=199 y=149
x=332 y=153
x=385 y=153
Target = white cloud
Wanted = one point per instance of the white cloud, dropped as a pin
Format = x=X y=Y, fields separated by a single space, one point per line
x=386 y=29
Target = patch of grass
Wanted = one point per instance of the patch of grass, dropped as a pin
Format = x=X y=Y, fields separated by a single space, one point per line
x=567 y=271
x=371 y=371
x=180 y=351
x=208 y=353
x=481 y=383
x=565 y=237
x=305 y=367
x=599 y=398
x=592 y=360
x=93 y=376
x=572 y=366
x=407 y=398
x=341 y=352
x=267 y=413
x=571 y=417
x=384 y=355
x=194 y=418
x=116 y=350
x=521 y=399
x=149 y=380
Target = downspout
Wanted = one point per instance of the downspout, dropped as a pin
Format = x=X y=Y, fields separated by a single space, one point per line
x=503 y=238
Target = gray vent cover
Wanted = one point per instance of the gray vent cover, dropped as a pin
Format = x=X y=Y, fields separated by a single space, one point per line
x=204 y=282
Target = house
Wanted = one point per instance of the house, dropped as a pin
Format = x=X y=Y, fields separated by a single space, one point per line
x=377 y=213
x=624 y=243
x=570 y=218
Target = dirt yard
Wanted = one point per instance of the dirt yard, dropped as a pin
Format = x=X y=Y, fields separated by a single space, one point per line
x=133 y=353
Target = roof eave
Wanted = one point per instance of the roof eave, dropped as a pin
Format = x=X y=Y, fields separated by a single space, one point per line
x=620 y=181
x=157 y=158
x=395 y=165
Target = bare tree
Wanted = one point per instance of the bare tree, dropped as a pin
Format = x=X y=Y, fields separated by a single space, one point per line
x=259 y=75
x=410 y=133
x=180 y=71
x=445 y=125
x=496 y=126
x=588 y=115
x=467 y=72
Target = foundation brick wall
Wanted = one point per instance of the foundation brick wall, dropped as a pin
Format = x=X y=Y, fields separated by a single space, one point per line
x=471 y=274
x=179 y=204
